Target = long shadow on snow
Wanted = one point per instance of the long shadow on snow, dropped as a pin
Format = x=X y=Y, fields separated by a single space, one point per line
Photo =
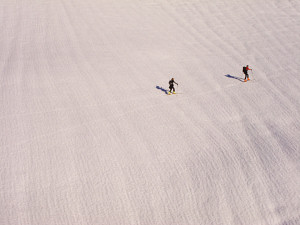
x=233 y=77
x=162 y=89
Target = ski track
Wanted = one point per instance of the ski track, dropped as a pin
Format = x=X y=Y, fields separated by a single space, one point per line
x=87 y=138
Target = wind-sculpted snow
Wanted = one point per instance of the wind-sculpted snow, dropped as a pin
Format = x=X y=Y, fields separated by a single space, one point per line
x=89 y=136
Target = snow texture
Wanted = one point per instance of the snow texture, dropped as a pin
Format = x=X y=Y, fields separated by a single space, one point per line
x=89 y=136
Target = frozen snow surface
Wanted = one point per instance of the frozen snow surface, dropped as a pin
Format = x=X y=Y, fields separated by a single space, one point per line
x=89 y=136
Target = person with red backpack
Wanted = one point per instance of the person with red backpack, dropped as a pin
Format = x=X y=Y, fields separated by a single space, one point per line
x=245 y=70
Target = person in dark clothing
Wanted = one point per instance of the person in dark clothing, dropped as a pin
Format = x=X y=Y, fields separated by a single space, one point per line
x=171 y=85
x=245 y=70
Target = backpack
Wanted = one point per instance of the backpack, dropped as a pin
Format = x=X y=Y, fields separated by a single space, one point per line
x=245 y=69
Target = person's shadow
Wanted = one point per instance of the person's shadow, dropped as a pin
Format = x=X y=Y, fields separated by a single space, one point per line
x=162 y=89
x=233 y=77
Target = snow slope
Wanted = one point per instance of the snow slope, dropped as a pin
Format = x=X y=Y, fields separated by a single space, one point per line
x=89 y=136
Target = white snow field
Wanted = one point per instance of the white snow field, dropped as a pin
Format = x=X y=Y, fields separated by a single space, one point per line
x=89 y=136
